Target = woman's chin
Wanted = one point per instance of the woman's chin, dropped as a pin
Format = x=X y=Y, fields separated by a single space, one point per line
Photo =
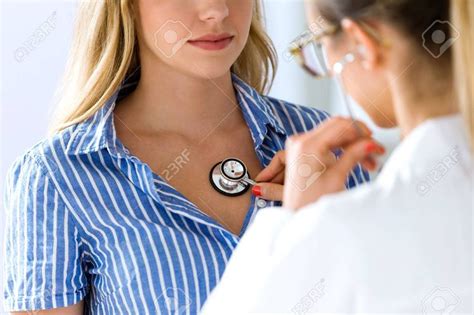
x=208 y=71
x=384 y=122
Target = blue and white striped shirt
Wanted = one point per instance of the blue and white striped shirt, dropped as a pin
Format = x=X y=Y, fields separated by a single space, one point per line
x=86 y=219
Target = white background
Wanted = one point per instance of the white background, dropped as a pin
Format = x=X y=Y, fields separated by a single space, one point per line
x=29 y=82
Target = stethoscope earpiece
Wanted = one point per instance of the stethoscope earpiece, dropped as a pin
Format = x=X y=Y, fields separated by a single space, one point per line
x=230 y=177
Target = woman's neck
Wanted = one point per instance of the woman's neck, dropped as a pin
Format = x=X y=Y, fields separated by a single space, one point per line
x=418 y=102
x=168 y=101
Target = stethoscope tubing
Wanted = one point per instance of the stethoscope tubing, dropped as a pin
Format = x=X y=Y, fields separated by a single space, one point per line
x=249 y=181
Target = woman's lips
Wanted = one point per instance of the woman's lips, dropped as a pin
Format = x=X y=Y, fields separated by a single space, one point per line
x=212 y=42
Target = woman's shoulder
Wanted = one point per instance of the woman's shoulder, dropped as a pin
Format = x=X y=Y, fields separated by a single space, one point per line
x=293 y=118
x=297 y=118
x=44 y=157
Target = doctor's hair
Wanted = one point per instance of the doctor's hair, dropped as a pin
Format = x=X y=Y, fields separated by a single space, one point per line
x=414 y=19
x=104 y=51
x=462 y=12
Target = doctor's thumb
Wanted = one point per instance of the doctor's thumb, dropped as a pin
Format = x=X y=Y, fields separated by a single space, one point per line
x=268 y=191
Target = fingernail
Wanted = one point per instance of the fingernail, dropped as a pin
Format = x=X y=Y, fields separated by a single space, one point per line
x=374 y=147
x=370 y=147
x=257 y=191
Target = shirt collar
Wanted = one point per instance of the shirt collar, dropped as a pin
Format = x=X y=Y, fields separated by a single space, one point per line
x=257 y=111
x=98 y=131
x=425 y=149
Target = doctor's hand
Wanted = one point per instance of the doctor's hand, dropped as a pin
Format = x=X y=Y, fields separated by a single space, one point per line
x=308 y=169
x=271 y=179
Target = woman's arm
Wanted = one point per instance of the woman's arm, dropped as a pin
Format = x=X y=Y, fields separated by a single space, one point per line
x=43 y=262
x=76 y=309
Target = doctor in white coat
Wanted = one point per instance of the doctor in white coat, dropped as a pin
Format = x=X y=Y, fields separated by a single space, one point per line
x=402 y=244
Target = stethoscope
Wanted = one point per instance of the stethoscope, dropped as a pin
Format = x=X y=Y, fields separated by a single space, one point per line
x=230 y=177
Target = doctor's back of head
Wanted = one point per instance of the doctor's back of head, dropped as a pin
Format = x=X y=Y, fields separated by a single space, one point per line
x=407 y=52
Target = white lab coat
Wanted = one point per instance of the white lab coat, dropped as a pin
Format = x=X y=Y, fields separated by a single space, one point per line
x=400 y=244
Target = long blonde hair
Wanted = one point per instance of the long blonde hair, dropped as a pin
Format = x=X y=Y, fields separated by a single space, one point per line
x=462 y=12
x=105 y=50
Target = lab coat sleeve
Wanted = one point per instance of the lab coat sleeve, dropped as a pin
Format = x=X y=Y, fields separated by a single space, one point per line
x=247 y=263
x=289 y=263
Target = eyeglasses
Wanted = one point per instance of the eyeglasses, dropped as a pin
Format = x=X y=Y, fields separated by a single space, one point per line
x=307 y=49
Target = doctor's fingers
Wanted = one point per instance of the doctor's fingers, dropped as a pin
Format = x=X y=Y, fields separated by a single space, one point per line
x=369 y=163
x=276 y=166
x=361 y=152
x=269 y=191
x=279 y=178
x=335 y=133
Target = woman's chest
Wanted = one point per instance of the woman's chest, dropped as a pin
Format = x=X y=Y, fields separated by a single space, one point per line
x=134 y=263
x=186 y=167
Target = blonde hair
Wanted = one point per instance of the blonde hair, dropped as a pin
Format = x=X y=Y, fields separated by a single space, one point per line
x=105 y=50
x=462 y=12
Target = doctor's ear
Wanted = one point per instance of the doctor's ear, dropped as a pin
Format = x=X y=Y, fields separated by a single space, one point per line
x=368 y=47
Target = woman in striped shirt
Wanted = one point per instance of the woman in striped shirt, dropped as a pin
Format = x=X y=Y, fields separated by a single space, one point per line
x=114 y=213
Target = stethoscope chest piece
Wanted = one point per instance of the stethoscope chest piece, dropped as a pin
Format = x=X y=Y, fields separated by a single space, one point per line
x=230 y=177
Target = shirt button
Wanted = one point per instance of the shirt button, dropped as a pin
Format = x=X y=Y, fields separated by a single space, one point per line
x=261 y=203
